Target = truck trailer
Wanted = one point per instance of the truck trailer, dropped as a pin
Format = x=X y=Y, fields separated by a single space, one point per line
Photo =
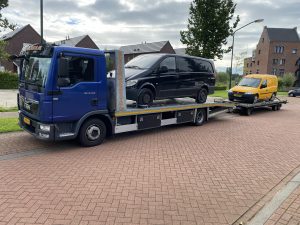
x=56 y=102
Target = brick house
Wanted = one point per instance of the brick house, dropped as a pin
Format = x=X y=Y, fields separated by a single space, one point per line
x=276 y=52
x=15 y=40
x=132 y=51
x=84 y=41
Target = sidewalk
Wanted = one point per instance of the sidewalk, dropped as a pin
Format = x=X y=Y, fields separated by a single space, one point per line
x=8 y=114
x=8 y=98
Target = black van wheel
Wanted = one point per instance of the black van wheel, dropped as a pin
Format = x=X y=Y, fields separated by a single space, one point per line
x=202 y=96
x=200 y=117
x=145 y=97
x=92 y=133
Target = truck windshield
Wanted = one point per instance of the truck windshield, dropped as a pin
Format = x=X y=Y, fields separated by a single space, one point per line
x=143 y=61
x=35 y=70
x=250 y=82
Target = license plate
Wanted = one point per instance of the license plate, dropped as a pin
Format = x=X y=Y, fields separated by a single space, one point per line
x=238 y=95
x=26 y=120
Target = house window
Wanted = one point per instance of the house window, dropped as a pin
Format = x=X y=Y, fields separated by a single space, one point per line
x=259 y=51
x=257 y=71
x=250 y=72
x=281 y=61
x=294 y=51
x=258 y=62
x=263 y=40
x=281 y=72
x=250 y=64
x=275 y=61
x=274 y=70
x=247 y=64
x=279 y=49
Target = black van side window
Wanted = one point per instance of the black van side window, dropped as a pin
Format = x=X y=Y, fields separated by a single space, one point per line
x=203 y=66
x=170 y=63
x=184 y=64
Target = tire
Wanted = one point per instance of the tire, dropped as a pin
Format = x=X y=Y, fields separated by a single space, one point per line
x=92 y=133
x=145 y=97
x=248 y=111
x=292 y=95
x=274 y=107
x=200 y=117
x=202 y=96
x=273 y=97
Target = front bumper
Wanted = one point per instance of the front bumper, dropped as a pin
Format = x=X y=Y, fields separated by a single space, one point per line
x=247 y=98
x=33 y=127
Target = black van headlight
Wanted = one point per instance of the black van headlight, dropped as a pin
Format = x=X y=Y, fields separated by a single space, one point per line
x=131 y=83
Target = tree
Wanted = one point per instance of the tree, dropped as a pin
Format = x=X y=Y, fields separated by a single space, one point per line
x=209 y=26
x=4 y=24
x=3 y=21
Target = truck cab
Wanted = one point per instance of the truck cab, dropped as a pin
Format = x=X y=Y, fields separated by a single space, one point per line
x=59 y=87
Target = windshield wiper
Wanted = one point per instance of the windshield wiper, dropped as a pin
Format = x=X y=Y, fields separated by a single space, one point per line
x=133 y=67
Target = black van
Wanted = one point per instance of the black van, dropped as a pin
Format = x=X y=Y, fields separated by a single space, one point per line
x=161 y=76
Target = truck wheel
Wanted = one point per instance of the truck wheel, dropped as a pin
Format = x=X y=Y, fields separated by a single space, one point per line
x=145 y=97
x=200 y=117
x=202 y=96
x=92 y=133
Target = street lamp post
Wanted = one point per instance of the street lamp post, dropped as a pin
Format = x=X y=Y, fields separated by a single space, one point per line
x=42 y=23
x=255 y=21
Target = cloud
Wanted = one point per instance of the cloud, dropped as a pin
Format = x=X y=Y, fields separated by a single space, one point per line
x=122 y=22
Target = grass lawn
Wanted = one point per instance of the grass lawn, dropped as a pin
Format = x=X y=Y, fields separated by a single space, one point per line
x=9 y=125
x=224 y=94
x=11 y=109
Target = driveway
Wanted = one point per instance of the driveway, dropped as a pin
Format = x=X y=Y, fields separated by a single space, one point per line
x=214 y=174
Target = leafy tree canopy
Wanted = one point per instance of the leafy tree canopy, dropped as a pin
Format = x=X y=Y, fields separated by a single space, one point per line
x=209 y=26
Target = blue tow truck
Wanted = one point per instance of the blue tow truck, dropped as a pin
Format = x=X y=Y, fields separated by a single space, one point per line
x=66 y=93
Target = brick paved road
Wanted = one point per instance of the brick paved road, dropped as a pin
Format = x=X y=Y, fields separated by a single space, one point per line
x=174 y=175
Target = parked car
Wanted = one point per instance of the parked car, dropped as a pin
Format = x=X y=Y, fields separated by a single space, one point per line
x=162 y=76
x=295 y=92
x=254 y=88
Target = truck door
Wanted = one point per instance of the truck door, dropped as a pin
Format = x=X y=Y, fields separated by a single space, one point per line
x=77 y=87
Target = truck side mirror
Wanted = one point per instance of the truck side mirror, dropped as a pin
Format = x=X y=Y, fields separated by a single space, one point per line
x=163 y=69
x=63 y=79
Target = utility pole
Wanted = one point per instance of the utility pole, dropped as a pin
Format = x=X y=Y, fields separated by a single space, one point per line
x=42 y=22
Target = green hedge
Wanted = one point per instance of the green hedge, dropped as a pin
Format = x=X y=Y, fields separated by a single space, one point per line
x=8 y=80
x=220 y=88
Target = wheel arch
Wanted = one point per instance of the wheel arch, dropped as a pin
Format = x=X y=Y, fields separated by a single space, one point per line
x=149 y=86
x=104 y=116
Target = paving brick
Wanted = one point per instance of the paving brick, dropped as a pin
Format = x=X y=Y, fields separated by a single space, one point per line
x=174 y=175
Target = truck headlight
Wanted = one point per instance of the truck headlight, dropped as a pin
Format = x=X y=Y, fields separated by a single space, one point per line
x=131 y=83
x=230 y=91
x=45 y=127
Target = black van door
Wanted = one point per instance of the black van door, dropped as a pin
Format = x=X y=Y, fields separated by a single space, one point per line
x=167 y=78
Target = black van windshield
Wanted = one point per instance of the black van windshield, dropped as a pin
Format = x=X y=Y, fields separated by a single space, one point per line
x=143 y=61
x=250 y=82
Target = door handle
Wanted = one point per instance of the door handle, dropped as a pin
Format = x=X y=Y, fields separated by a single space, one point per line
x=94 y=102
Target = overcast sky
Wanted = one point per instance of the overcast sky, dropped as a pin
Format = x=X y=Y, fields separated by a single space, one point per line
x=123 y=22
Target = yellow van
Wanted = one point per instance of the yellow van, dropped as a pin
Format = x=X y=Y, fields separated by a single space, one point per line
x=255 y=87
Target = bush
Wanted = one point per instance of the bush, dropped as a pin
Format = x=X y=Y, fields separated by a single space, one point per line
x=220 y=88
x=280 y=83
x=288 y=80
x=8 y=80
x=222 y=78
